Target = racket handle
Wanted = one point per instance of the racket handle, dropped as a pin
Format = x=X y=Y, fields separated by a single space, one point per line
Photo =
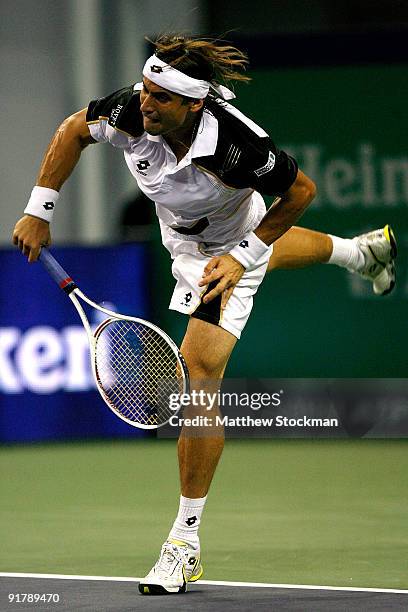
x=57 y=272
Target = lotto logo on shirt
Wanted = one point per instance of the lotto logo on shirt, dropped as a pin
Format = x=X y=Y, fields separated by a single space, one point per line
x=142 y=165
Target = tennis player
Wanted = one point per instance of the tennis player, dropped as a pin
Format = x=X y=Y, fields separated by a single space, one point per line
x=206 y=166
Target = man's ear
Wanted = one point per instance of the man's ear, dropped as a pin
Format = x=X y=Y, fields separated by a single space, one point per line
x=196 y=105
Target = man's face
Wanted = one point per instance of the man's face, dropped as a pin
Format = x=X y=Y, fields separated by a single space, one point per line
x=163 y=111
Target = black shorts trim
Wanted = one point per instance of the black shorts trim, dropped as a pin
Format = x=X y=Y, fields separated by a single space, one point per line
x=211 y=312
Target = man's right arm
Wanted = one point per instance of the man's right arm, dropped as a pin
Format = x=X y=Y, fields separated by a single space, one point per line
x=61 y=157
x=64 y=151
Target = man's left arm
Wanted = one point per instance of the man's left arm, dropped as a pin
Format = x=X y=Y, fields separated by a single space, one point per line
x=227 y=270
x=281 y=216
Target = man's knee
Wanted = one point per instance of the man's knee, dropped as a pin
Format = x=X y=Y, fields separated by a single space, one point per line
x=206 y=349
x=204 y=369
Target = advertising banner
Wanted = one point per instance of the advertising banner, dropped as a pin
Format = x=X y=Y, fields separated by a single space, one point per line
x=47 y=391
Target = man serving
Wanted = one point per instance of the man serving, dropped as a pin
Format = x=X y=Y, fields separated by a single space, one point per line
x=205 y=165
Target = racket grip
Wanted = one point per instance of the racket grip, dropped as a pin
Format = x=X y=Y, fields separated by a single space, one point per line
x=57 y=272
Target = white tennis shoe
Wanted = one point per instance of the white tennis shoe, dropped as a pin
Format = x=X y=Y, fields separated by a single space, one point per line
x=178 y=564
x=379 y=248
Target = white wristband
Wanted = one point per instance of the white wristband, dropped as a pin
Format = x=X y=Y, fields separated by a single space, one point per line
x=249 y=250
x=42 y=203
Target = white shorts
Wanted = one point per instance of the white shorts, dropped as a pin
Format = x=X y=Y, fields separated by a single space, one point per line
x=187 y=296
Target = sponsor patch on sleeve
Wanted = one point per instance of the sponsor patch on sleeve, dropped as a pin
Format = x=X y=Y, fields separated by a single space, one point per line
x=268 y=166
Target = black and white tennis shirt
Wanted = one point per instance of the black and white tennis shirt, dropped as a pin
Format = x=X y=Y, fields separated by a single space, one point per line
x=210 y=198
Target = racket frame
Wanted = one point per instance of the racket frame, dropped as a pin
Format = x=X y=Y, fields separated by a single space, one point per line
x=73 y=292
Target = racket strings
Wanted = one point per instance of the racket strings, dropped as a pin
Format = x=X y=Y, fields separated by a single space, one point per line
x=133 y=385
x=124 y=364
x=137 y=370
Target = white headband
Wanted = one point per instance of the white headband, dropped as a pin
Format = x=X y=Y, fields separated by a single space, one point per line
x=170 y=78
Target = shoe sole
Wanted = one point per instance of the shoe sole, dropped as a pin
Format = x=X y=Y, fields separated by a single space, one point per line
x=196 y=577
x=158 y=589
x=390 y=236
x=391 y=287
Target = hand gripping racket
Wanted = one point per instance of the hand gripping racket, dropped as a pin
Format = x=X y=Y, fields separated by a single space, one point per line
x=136 y=366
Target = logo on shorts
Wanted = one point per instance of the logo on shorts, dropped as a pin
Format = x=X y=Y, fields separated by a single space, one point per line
x=142 y=165
x=156 y=69
x=187 y=299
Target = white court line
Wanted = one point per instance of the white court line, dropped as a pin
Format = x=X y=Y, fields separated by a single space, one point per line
x=209 y=582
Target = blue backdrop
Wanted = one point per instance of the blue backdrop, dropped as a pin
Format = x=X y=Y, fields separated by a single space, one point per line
x=46 y=386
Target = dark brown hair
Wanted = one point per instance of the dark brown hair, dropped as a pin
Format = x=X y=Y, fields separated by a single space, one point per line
x=203 y=58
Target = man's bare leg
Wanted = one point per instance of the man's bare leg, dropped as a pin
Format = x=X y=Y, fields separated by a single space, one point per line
x=206 y=349
x=300 y=247
x=371 y=255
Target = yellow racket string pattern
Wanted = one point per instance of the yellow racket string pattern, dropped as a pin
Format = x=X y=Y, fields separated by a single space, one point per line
x=137 y=371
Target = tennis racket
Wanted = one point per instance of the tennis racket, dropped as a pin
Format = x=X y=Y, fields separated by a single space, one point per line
x=136 y=366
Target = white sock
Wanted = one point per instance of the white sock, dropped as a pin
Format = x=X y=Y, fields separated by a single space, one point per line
x=346 y=254
x=185 y=527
